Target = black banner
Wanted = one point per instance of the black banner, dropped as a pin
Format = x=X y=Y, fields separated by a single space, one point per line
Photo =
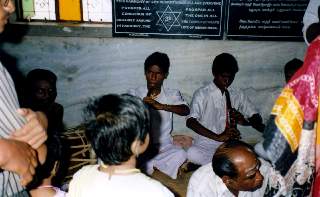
x=165 y=18
x=265 y=19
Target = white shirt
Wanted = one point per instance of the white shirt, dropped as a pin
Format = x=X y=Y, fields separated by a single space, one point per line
x=310 y=16
x=208 y=106
x=205 y=183
x=161 y=121
x=90 y=182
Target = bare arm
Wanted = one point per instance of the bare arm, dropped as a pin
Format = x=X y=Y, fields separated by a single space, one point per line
x=229 y=133
x=18 y=157
x=181 y=110
x=33 y=132
x=256 y=122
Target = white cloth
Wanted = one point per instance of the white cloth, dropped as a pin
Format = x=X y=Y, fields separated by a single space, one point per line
x=205 y=183
x=170 y=157
x=9 y=121
x=89 y=182
x=310 y=16
x=208 y=106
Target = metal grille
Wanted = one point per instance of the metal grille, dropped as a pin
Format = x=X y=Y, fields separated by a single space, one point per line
x=44 y=9
x=97 y=10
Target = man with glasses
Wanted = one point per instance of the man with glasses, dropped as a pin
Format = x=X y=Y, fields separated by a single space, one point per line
x=22 y=131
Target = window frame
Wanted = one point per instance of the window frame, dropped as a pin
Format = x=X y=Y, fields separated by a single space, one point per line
x=59 y=28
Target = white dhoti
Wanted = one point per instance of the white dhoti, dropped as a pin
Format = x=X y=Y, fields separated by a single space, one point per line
x=168 y=160
x=202 y=153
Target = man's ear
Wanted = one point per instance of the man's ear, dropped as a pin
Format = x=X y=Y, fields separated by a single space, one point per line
x=213 y=73
x=166 y=75
x=226 y=180
x=138 y=146
x=135 y=146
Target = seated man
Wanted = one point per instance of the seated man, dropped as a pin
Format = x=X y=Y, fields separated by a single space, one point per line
x=163 y=154
x=216 y=109
x=41 y=95
x=291 y=67
x=235 y=171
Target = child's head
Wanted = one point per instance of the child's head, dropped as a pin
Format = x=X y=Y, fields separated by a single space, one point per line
x=48 y=171
x=224 y=69
x=156 y=68
x=291 y=67
x=42 y=89
x=118 y=128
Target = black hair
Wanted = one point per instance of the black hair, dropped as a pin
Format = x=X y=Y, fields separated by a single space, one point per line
x=118 y=121
x=293 y=65
x=41 y=74
x=221 y=162
x=55 y=151
x=54 y=161
x=224 y=62
x=159 y=59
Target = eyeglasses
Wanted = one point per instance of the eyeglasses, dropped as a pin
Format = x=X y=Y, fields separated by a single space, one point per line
x=5 y=3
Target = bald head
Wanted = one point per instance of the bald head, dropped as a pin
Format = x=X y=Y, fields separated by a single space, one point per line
x=227 y=153
x=237 y=165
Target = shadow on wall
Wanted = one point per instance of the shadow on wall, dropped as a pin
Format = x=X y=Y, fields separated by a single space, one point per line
x=13 y=34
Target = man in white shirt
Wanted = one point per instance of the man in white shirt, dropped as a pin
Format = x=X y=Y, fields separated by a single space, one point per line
x=162 y=103
x=216 y=109
x=235 y=171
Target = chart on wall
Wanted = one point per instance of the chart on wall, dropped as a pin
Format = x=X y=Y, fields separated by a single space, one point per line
x=263 y=19
x=168 y=18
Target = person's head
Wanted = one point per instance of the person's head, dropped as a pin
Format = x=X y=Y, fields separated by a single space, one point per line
x=291 y=67
x=224 y=69
x=41 y=89
x=48 y=171
x=156 y=69
x=7 y=8
x=313 y=31
x=237 y=165
x=117 y=127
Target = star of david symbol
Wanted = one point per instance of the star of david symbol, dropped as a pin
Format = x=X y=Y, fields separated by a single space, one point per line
x=168 y=18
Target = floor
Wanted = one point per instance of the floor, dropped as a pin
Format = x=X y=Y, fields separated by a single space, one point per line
x=178 y=186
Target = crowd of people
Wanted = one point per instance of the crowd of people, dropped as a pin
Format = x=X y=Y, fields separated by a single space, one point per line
x=131 y=134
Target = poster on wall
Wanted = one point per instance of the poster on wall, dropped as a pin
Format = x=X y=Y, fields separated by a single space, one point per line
x=168 y=18
x=265 y=19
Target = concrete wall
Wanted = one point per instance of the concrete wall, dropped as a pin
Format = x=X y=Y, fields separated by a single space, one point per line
x=89 y=67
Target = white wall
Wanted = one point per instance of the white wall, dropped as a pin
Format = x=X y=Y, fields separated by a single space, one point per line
x=94 y=66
